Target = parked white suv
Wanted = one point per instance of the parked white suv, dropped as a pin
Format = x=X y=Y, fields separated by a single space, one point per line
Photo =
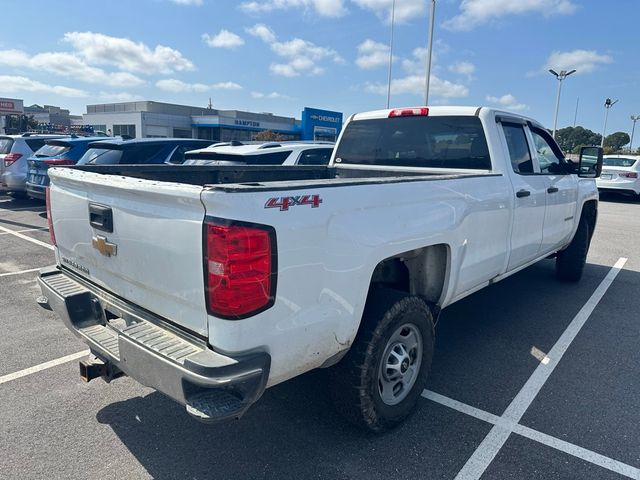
x=270 y=153
x=14 y=151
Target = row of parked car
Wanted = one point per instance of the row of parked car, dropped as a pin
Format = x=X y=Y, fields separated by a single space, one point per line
x=25 y=159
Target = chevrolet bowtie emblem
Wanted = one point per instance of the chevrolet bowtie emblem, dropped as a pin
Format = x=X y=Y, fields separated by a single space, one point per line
x=101 y=244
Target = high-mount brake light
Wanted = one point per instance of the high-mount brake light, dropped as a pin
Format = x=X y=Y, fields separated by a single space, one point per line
x=409 y=112
x=49 y=219
x=58 y=162
x=240 y=268
x=11 y=158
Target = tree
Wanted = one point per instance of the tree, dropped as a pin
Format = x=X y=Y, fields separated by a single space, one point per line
x=616 y=140
x=571 y=139
x=268 y=136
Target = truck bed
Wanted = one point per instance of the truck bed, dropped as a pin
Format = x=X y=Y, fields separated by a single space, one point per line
x=260 y=178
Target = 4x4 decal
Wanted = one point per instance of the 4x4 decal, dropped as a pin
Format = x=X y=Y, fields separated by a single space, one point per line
x=284 y=203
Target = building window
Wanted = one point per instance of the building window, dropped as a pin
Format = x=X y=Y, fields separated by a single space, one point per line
x=128 y=130
x=181 y=133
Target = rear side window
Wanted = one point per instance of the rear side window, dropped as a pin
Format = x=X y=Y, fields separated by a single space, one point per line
x=52 y=150
x=436 y=142
x=316 y=156
x=518 y=148
x=5 y=145
x=609 y=162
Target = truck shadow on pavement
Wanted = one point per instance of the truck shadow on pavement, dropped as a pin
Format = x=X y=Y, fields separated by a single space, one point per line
x=483 y=357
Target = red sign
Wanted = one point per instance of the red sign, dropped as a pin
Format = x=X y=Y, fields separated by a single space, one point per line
x=6 y=105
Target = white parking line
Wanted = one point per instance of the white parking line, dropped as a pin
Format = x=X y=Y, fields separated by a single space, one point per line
x=19 y=273
x=530 y=433
x=496 y=438
x=43 y=366
x=35 y=209
x=26 y=230
x=24 y=237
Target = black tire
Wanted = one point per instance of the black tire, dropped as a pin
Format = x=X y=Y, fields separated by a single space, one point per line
x=354 y=382
x=570 y=261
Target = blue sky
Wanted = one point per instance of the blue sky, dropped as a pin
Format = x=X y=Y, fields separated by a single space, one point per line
x=282 y=55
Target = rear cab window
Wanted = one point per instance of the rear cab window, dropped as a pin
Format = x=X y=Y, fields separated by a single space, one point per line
x=456 y=142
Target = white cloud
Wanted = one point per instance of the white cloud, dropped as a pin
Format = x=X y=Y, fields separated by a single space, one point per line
x=68 y=65
x=188 y=2
x=462 y=68
x=406 y=10
x=325 y=8
x=301 y=55
x=224 y=39
x=372 y=54
x=118 y=96
x=263 y=32
x=125 y=54
x=414 y=84
x=14 y=84
x=478 y=12
x=584 y=61
x=508 y=102
x=174 y=85
x=272 y=95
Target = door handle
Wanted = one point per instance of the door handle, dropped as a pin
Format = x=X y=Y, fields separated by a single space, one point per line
x=552 y=189
x=101 y=217
x=523 y=193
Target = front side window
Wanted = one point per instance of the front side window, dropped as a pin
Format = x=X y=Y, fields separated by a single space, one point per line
x=518 y=148
x=416 y=141
x=549 y=158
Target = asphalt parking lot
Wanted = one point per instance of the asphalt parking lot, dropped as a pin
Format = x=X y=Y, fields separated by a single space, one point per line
x=532 y=378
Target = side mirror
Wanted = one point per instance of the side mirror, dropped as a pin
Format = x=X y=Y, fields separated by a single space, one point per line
x=590 y=163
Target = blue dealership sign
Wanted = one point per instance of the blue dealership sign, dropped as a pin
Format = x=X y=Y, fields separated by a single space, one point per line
x=320 y=124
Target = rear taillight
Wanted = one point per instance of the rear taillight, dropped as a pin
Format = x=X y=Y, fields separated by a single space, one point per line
x=240 y=268
x=58 y=161
x=11 y=158
x=49 y=219
x=409 y=112
x=629 y=174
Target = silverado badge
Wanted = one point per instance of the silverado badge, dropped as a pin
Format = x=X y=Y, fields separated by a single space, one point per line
x=106 y=248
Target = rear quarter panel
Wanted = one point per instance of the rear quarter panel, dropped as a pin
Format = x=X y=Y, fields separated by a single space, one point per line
x=326 y=257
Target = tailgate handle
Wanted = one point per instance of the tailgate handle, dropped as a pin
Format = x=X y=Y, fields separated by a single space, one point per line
x=101 y=217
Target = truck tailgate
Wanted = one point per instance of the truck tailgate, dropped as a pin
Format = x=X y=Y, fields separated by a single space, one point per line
x=148 y=250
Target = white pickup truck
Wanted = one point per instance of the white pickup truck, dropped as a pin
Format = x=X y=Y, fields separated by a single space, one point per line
x=211 y=285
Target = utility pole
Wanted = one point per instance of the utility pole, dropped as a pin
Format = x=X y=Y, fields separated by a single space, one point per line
x=560 y=76
x=393 y=15
x=634 y=119
x=575 y=117
x=427 y=80
x=607 y=105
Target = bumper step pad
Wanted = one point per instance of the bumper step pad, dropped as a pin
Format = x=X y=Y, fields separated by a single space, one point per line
x=214 y=404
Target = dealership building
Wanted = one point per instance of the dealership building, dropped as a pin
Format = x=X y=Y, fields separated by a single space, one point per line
x=156 y=119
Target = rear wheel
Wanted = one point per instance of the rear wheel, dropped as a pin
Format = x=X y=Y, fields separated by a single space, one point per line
x=377 y=384
x=570 y=262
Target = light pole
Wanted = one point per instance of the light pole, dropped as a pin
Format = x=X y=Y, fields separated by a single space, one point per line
x=393 y=15
x=427 y=79
x=560 y=76
x=607 y=105
x=634 y=119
